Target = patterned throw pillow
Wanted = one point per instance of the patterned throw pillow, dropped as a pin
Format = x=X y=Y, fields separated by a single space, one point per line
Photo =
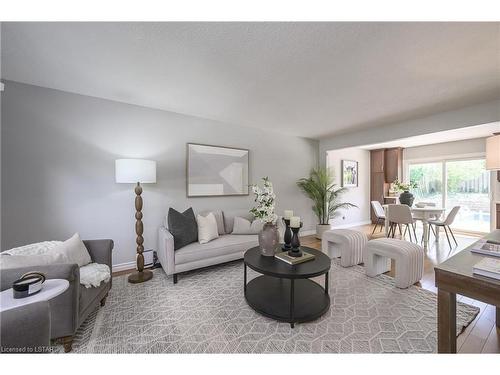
x=183 y=227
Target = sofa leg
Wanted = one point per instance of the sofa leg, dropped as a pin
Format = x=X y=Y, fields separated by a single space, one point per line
x=67 y=342
x=175 y=278
x=103 y=300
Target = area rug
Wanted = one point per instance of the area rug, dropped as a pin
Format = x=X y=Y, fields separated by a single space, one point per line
x=206 y=312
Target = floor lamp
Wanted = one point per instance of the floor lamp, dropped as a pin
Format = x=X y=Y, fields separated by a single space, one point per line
x=137 y=171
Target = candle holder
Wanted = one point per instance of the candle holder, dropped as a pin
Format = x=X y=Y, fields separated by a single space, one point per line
x=288 y=235
x=295 y=251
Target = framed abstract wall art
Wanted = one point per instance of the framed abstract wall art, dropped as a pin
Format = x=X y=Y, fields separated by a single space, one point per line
x=214 y=171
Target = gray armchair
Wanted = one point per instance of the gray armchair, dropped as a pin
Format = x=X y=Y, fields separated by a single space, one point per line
x=26 y=329
x=70 y=309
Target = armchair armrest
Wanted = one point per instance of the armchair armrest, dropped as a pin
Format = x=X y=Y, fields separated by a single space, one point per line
x=100 y=251
x=70 y=272
x=166 y=253
x=65 y=307
x=26 y=329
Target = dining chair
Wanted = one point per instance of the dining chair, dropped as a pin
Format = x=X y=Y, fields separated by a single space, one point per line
x=445 y=223
x=378 y=210
x=400 y=214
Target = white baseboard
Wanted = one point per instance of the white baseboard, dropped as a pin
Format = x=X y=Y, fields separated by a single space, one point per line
x=123 y=266
x=350 y=225
x=309 y=232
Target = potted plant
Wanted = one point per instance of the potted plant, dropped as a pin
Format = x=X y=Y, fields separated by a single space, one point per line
x=264 y=211
x=405 y=197
x=321 y=189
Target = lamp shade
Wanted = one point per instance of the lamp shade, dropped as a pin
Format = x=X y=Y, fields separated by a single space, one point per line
x=131 y=171
x=493 y=152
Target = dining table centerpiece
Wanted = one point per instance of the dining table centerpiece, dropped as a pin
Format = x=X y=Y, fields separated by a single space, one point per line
x=405 y=197
x=265 y=211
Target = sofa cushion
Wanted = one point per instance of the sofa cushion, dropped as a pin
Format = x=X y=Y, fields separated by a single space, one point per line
x=229 y=216
x=183 y=227
x=226 y=244
x=219 y=217
x=88 y=295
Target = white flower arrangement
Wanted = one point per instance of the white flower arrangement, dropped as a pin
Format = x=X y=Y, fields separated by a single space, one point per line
x=265 y=199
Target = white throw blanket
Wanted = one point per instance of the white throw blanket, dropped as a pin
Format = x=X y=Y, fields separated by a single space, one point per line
x=93 y=274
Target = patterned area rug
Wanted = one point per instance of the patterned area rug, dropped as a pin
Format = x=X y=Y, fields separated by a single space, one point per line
x=206 y=312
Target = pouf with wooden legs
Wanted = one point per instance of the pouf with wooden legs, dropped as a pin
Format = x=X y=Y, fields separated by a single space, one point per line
x=409 y=258
x=344 y=243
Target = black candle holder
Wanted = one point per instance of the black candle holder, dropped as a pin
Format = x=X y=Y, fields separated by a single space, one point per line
x=288 y=236
x=295 y=251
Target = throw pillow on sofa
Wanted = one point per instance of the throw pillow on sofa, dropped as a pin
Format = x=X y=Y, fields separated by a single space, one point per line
x=219 y=217
x=73 y=250
x=207 y=228
x=244 y=226
x=70 y=251
x=183 y=227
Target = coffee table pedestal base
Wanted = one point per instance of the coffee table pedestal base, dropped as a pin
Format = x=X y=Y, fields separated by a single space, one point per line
x=287 y=300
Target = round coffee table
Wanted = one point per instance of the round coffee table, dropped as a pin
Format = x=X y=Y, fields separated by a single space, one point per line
x=284 y=292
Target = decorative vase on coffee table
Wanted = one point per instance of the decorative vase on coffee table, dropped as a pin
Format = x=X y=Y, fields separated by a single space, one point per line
x=406 y=198
x=268 y=240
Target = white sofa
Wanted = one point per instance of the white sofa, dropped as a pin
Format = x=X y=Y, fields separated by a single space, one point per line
x=226 y=248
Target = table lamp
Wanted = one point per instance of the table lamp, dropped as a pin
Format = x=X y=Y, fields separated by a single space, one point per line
x=137 y=171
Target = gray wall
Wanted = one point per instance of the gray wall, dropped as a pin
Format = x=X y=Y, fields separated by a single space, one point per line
x=58 y=152
x=360 y=195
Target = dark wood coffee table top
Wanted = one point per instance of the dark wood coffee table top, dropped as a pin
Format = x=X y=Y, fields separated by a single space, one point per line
x=274 y=267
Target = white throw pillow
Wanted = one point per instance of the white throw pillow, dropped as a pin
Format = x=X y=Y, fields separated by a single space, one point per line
x=244 y=226
x=74 y=251
x=207 y=228
x=20 y=261
x=37 y=248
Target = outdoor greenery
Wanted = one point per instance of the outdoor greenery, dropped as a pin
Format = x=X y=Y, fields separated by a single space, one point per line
x=467 y=186
x=400 y=186
x=320 y=188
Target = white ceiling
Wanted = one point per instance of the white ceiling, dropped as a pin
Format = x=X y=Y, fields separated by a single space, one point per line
x=307 y=79
x=471 y=132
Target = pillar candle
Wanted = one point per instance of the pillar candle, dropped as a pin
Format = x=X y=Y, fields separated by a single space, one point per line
x=295 y=222
x=288 y=214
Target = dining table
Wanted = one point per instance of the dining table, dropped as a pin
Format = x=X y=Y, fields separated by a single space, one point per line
x=423 y=214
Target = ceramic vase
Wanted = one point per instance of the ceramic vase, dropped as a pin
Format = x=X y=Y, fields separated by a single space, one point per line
x=268 y=240
x=406 y=198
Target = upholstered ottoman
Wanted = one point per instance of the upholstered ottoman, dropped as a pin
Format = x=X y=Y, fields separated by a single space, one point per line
x=409 y=259
x=344 y=243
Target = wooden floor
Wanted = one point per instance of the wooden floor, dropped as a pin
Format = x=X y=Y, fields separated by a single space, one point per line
x=482 y=335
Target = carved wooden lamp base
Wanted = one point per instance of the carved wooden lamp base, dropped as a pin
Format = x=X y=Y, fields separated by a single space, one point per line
x=140 y=277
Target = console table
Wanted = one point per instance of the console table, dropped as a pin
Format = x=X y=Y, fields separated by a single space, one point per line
x=454 y=276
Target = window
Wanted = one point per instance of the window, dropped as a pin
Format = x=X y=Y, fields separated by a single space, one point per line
x=449 y=183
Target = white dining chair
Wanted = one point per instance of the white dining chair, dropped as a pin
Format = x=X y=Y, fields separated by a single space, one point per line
x=400 y=214
x=445 y=223
x=378 y=210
